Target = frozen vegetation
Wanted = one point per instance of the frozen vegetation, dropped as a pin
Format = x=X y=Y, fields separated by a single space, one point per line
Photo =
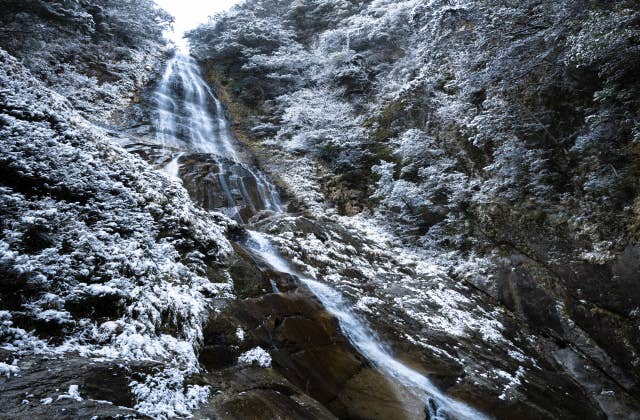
x=442 y=116
x=98 y=55
x=493 y=142
x=335 y=209
x=101 y=255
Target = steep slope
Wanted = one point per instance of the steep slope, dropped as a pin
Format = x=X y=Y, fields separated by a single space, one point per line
x=96 y=54
x=499 y=139
x=105 y=264
x=119 y=297
x=101 y=255
x=452 y=212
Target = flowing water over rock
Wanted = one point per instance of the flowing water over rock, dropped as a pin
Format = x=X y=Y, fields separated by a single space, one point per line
x=191 y=120
x=438 y=405
x=192 y=126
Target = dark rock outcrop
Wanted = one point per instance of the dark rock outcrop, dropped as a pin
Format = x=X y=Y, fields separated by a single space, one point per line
x=500 y=139
x=307 y=348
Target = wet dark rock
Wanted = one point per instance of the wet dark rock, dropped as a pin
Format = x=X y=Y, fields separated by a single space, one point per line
x=307 y=348
x=223 y=185
x=597 y=298
x=103 y=389
x=252 y=277
x=255 y=393
x=217 y=356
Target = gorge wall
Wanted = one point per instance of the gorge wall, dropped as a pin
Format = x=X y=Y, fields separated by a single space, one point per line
x=499 y=137
x=462 y=173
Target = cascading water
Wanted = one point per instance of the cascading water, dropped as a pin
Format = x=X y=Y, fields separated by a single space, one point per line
x=191 y=120
x=363 y=338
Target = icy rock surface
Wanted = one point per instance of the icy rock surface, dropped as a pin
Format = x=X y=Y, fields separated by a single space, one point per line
x=100 y=255
x=98 y=55
x=495 y=140
x=256 y=355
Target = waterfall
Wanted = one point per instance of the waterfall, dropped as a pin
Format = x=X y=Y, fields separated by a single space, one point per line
x=365 y=340
x=173 y=167
x=191 y=119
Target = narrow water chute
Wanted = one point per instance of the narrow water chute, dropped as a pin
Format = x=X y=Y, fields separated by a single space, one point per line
x=191 y=119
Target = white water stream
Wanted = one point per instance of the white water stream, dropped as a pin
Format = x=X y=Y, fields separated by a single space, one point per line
x=192 y=120
x=365 y=340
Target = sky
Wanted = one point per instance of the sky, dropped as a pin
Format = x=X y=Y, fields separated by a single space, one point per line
x=191 y=13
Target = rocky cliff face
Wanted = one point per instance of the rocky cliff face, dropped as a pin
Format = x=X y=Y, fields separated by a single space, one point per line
x=499 y=138
x=462 y=175
x=98 y=55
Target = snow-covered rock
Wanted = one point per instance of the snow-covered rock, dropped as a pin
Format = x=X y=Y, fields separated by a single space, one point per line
x=256 y=355
x=100 y=254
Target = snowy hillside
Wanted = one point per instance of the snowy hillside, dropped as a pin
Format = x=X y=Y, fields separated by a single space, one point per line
x=328 y=209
